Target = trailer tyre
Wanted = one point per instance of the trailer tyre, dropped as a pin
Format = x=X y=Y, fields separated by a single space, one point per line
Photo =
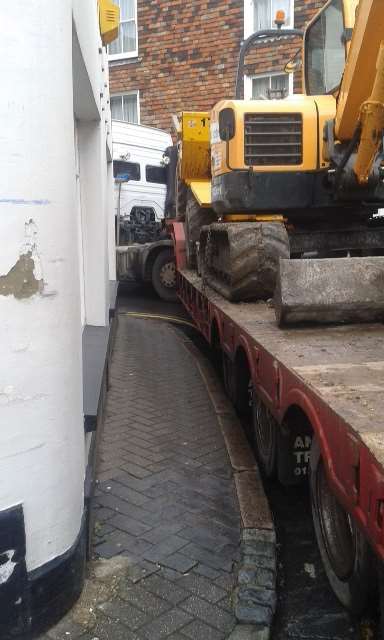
x=264 y=436
x=346 y=556
x=164 y=276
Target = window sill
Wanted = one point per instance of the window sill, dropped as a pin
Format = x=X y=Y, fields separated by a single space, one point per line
x=122 y=56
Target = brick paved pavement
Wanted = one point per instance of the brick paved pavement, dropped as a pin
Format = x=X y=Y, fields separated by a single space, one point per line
x=167 y=521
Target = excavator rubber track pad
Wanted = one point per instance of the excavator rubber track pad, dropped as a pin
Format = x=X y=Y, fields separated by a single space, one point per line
x=240 y=260
x=330 y=290
x=195 y=218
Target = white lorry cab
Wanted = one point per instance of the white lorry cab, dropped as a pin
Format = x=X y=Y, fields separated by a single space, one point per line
x=144 y=249
x=138 y=151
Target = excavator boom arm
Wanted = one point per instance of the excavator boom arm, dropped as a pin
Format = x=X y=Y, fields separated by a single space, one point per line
x=361 y=97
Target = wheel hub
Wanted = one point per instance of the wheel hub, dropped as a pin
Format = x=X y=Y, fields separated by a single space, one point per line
x=168 y=275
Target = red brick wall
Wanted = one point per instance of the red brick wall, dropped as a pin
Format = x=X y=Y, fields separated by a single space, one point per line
x=305 y=10
x=188 y=51
x=273 y=55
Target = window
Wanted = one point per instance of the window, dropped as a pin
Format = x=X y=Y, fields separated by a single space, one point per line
x=126 y=107
x=156 y=174
x=260 y=14
x=325 y=51
x=268 y=87
x=125 y=46
x=132 y=168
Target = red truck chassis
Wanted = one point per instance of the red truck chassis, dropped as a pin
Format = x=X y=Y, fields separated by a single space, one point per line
x=322 y=381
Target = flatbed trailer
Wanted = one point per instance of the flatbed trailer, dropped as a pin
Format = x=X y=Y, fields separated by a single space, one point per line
x=323 y=381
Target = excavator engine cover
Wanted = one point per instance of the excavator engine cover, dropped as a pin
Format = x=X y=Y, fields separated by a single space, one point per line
x=240 y=260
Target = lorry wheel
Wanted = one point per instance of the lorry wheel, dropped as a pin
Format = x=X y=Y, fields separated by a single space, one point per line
x=346 y=555
x=264 y=436
x=164 y=276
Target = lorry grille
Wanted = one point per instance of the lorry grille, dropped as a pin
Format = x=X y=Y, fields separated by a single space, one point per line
x=273 y=138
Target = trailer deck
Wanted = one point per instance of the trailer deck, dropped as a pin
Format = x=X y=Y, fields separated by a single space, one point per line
x=333 y=374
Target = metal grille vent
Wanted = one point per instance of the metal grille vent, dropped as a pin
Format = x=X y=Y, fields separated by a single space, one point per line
x=273 y=139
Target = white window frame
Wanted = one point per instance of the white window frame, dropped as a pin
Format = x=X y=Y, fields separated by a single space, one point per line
x=248 y=81
x=130 y=93
x=249 y=17
x=127 y=54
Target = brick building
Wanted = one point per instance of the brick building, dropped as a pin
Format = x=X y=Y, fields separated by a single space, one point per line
x=182 y=54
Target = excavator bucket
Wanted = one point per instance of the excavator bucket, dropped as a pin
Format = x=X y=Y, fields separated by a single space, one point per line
x=330 y=290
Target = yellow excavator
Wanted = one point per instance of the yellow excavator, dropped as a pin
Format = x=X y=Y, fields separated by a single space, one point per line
x=281 y=198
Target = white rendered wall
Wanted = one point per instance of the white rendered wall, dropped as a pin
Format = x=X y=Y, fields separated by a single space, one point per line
x=111 y=224
x=93 y=164
x=41 y=434
x=41 y=388
x=85 y=17
x=92 y=110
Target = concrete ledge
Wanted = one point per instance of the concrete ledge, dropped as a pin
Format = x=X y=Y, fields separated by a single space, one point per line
x=113 y=287
x=330 y=290
x=97 y=352
x=255 y=593
x=96 y=342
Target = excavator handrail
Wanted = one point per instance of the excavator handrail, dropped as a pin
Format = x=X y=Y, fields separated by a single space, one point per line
x=259 y=35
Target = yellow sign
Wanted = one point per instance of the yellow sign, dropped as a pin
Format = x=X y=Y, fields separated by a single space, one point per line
x=109 y=18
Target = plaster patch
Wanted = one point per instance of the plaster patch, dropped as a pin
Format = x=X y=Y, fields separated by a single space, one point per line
x=25 y=278
x=7 y=567
x=8 y=395
x=20 y=281
x=20 y=347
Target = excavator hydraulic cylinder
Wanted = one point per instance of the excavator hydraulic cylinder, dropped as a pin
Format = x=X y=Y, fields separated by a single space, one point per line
x=372 y=124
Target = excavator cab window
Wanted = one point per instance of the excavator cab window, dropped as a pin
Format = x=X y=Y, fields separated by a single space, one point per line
x=325 y=51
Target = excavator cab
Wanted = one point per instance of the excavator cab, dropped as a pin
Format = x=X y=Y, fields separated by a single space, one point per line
x=325 y=50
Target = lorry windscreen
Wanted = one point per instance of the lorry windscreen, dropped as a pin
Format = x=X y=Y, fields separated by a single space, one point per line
x=132 y=168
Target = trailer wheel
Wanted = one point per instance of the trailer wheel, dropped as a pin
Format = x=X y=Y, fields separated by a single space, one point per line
x=264 y=436
x=164 y=276
x=346 y=556
x=380 y=571
x=228 y=376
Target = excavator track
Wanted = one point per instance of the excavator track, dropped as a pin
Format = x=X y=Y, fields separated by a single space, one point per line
x=240 y=260
x=195 y=218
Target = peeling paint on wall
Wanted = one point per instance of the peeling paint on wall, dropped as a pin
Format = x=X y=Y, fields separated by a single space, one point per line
x=25 y=278
x=20 y=281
